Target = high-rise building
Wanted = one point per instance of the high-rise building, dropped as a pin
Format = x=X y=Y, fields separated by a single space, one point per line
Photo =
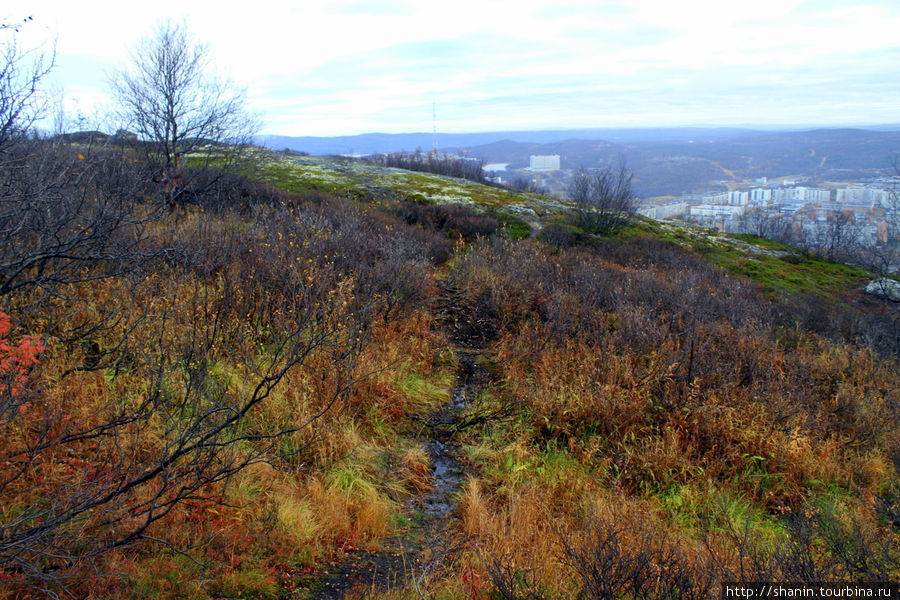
x=760 y=196
x=544 y=162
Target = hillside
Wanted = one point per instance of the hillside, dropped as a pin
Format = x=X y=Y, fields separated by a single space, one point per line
x=354 y=178
x=317 y=378
x=775 y=267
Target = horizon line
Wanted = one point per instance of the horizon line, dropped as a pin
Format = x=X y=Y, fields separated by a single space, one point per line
x=749 y=127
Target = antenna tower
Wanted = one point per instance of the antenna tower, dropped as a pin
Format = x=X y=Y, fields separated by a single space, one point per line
x=434 y=128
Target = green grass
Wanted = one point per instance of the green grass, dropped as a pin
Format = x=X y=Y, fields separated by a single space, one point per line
x=361 y=180
x=776 y=267
x=515 y=227
x=168 y=575
x=794 y=274
x=762 y=242
x=422 y=393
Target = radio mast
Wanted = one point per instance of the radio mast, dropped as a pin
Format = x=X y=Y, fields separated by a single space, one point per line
x=434 y=143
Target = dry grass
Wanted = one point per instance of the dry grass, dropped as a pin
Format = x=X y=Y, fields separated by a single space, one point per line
x=661 y=422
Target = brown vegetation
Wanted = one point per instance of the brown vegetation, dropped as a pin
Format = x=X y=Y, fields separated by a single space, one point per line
x=674 y=431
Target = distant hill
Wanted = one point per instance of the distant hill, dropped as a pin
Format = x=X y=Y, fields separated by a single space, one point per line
x=370 y=143
x=714 y=158
x=806 y=152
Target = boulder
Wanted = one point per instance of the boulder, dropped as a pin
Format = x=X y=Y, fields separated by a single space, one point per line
x=885 y=288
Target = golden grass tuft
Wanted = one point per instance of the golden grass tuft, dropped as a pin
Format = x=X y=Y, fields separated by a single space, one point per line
x=296 y=518
x=415 y=471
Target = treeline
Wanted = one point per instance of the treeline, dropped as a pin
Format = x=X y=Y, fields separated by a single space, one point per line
x=433 y=162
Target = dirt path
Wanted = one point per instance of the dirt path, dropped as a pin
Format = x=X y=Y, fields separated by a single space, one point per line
x=421 y=549
x=418 y=551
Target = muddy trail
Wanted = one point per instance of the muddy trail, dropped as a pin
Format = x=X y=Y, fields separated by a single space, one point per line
x=419 y=551
x=416 y=552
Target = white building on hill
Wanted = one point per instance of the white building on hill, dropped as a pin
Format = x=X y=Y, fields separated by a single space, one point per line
x=544 y=163
x=717 y=211
x=664 y=211
x=732 y=198
x=863 y=196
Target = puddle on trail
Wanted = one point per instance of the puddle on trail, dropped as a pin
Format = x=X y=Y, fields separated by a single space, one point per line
x=446 y=468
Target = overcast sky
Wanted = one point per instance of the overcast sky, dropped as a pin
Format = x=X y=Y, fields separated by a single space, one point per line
x=335 y=67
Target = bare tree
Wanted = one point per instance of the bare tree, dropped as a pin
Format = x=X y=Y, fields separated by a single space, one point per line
x=762 y=224
x=21 y=72
x=59 y=209
x=604 y=199
x=432 y=162
x=841 y=235
x=526 y=184
x=178 y=109
x=885 y=256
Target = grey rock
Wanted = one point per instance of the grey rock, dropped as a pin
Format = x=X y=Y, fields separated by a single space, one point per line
x=885 y=288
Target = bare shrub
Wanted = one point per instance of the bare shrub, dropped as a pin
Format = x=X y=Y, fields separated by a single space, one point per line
x=455 y=220
x=613 y=559
x=604 y=199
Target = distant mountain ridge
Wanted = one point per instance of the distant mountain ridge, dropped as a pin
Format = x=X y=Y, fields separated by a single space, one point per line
x=370 y=143
x=673 y=167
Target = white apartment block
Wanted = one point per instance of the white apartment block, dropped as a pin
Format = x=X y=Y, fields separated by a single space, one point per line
x=664 y=211
x=548 y=162
x=863 y=196
x=716 y=211
x=732 y=198
x=790 y=195
x=760 y=196
x=811 y=195
x=736 y=198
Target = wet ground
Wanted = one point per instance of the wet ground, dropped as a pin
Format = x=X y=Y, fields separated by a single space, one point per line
x=409 y=556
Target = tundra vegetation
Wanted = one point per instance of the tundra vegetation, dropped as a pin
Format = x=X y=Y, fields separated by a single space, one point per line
x=226 y=398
